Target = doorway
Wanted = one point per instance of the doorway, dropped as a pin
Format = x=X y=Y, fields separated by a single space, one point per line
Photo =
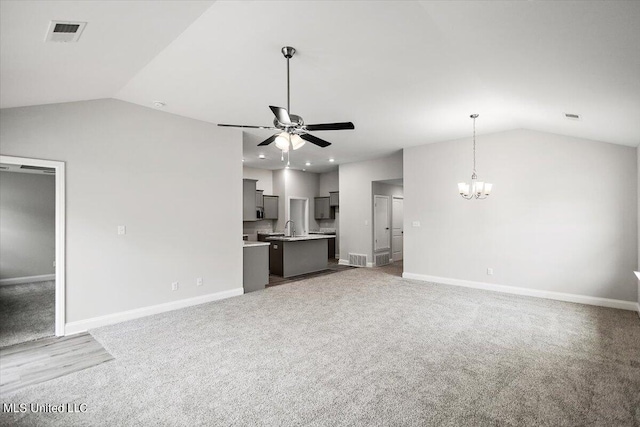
x=381 y=223
x=397 y=228
x=18 y=274
x=299 y=215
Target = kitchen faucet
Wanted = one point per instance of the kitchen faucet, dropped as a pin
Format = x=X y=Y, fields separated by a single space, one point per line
x=292 y=228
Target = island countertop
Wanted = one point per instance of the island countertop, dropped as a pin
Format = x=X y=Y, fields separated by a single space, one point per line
x=300 y=238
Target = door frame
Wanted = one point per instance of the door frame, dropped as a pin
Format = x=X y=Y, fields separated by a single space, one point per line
x=306 y=210
x=392 y=217
x=61 y=263
x=375 y=220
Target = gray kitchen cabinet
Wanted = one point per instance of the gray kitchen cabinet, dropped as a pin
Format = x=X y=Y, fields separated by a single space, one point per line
x=259 y=199
x=249 y=200
x=323 y=208
x=270 y=207
x=334 y=198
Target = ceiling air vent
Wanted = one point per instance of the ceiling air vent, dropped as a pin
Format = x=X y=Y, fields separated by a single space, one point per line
x=64 y=31
x=572 y=116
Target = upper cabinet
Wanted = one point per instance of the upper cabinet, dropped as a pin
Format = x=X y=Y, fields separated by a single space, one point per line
x=334 y=199
x=270 y=207
x=259 y=198
x=249 y=200
x=323 y=208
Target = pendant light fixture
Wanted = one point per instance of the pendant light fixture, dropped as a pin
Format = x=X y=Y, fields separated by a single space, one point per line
x=477 y=189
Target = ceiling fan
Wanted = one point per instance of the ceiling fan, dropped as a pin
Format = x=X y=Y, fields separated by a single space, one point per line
x=294 y=132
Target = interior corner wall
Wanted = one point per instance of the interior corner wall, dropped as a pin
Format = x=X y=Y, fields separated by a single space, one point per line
x=638 y=265
x=175 y=183
x=563 y=215
x=27 y=225
x=356 y=206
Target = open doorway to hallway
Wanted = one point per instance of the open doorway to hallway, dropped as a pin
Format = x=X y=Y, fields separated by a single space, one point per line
x=388 y=233
x=31 y=267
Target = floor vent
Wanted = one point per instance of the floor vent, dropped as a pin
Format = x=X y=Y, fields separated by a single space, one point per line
x=382 y=259
x=358 y=260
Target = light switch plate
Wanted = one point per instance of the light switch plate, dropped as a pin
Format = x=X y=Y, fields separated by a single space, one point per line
x=415 y=223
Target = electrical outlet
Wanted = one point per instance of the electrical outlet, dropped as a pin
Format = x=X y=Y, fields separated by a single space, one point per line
x=199 y=281
x=415 y=223
x=122 y=229
x=490 y=271
x=54 y=263
x=174 y=286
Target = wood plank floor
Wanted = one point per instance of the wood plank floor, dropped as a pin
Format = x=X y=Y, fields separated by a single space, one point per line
x=37 y=361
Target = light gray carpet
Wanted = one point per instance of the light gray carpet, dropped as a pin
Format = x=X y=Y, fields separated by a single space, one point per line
x=360 y=347
x=27 y=312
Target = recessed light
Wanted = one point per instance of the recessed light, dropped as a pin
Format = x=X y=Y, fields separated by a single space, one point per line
x=332 y=160
x=308 y=164
x=286 y=167
x=159 y=104
x=261 y=156
x=243 y=160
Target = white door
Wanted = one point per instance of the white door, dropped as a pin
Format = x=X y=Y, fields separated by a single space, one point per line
x=397 y=231
x=381 y=235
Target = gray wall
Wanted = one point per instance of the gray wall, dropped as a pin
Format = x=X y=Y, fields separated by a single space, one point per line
x=563 y=215
x=27 y=224
x=638 y=265
x=356 y=212
x=176 y=183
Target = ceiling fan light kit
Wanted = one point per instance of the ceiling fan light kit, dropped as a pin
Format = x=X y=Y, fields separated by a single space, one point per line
x=293 y=133
x=477 y=189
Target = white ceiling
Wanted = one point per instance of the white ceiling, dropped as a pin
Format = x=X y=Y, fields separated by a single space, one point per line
x=406 y=73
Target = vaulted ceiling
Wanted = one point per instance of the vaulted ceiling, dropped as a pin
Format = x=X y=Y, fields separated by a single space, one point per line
x=406 y=73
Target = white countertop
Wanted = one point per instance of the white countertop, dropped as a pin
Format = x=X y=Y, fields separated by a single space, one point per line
x=300 y=238
x=248 y=244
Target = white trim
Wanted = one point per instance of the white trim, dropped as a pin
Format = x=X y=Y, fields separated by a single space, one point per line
x=560 y=296
x=61 y=263
x=27 y=279
x=369 y=265
x=306 y=213
x=638 y=308
x=123 y=316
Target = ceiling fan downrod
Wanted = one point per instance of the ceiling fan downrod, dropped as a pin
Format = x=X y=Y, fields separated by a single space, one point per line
x=288 y=52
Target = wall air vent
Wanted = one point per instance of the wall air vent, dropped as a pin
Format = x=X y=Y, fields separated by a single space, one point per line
x=383 y=259
x=64 y=31
x=358 y=260
x=38 y=168
x=571 y=116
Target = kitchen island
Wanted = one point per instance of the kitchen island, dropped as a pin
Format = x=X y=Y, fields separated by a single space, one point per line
x=292 y=256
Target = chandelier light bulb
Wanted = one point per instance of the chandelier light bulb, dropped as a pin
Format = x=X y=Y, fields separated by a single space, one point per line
x=282 y=141
x=296 y=141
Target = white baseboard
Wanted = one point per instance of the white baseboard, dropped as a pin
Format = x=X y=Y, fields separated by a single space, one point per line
x=369 y=265
x=28 y=279
x=560 y=296
x=109 y=319
x=638 y=308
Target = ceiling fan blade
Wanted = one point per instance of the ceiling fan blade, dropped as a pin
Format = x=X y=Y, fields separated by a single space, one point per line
x=281 y=114
x=268 y=140
x=246 y=126
x=315 y=140
x=330 y=126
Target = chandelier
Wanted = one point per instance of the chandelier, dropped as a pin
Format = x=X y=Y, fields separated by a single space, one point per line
x=477 y=189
